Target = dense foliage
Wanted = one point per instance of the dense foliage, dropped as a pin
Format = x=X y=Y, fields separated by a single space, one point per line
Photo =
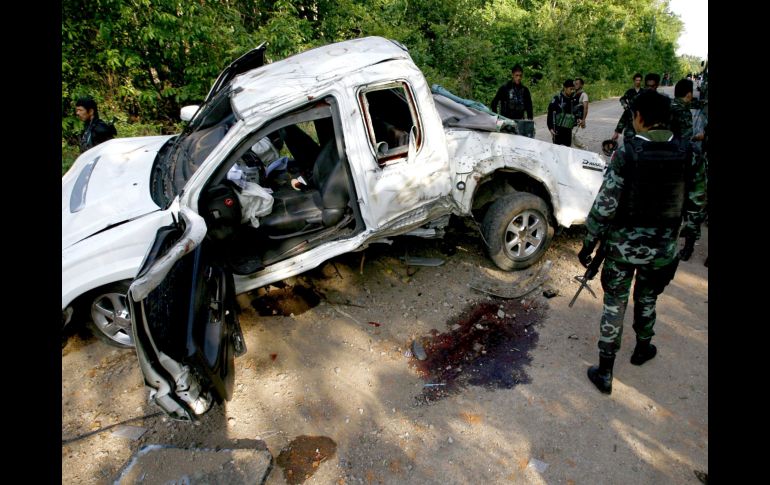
x=144 y=59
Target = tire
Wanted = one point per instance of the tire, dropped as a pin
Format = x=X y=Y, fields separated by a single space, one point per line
x=517 y=230
x=108 y=315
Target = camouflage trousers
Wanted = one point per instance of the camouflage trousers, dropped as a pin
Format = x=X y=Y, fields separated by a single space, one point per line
x=616 y=282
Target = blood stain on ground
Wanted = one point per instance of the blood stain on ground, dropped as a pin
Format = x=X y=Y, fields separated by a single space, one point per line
x=488 y=346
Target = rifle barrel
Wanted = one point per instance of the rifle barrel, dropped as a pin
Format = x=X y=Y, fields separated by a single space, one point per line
x=574 y=298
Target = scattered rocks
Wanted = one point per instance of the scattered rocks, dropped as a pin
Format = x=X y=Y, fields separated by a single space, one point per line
x=550 y=293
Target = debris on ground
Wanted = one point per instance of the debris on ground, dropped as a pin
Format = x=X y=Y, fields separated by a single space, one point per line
x=517 y=289
x=418 y=351
x=131 y=432
x=538 y=465
x=418 y=261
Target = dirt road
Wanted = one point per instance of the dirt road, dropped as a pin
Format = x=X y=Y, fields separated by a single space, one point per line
x=502 y=398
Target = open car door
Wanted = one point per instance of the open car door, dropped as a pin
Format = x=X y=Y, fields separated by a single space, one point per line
x=251 y=60
x=185 y=323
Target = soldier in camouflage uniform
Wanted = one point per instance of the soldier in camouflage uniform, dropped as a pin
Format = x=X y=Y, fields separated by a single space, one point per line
x=682 y=126
x=681 y=116
x=625 y=123
x=650 y=188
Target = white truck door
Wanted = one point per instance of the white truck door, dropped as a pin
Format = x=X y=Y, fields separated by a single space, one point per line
x=408 y=169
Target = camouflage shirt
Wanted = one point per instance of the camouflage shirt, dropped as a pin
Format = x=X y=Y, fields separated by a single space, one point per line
x=643 y=245
x=625 y=122
x=681 y=119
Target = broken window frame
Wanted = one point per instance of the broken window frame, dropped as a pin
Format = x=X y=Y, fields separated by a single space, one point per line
x=399 y=153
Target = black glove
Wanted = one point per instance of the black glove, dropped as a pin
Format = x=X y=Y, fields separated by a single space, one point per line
x=584 y=256
x=686 y=251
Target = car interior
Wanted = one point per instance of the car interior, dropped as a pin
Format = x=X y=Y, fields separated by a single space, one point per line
x=390 y=121
x=304 y=215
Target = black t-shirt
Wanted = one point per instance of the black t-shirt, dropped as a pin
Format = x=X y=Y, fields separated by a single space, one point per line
x=515 y=101
x=96 y=132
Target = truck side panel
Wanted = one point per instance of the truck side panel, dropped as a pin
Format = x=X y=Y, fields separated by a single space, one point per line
x=571 y=176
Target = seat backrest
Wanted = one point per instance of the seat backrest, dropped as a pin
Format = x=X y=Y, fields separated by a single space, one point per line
x=330 y=178
x=324 y=163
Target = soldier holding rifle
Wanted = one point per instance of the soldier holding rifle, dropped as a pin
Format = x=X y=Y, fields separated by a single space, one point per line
x=651 y=195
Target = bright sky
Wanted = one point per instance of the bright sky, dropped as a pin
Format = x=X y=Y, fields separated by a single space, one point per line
x=695 y=15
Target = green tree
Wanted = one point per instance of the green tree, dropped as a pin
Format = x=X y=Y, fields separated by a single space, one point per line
x=144 y=59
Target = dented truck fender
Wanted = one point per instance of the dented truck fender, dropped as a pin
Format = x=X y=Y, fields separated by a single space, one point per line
x=571 y=177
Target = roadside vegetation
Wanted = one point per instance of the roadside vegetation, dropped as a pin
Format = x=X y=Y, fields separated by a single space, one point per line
x=142 y=60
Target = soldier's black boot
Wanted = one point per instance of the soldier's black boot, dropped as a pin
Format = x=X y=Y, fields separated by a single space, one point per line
x=601 y=375
x=643 y=352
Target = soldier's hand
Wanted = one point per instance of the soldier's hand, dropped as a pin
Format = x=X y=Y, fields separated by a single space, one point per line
x=585 y=255
x=615 y=136
x=686 y=251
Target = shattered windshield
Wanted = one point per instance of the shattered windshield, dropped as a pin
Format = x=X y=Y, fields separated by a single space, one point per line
x=182 y=155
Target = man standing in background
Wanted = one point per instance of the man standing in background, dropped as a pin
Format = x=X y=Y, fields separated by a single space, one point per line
x=681 y=125
x=625 y=124
x=514 y=98
x=582 y=97
x=561 y=114
x=95 y=130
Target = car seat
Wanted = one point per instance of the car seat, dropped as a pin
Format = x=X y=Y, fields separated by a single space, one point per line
x=301 y=212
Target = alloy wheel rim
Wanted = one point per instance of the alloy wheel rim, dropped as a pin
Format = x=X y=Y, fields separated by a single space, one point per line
x=110 y=314
x=524 y=235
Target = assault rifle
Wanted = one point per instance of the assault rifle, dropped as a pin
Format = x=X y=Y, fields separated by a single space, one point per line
x=591 y=271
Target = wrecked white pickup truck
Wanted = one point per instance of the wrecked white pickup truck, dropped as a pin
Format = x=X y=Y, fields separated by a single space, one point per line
x=368 y=152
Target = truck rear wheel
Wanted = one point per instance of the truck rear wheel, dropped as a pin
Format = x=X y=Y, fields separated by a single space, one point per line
x=516 y=230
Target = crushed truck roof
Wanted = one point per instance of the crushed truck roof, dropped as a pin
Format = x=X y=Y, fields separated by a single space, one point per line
x=304 y=72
